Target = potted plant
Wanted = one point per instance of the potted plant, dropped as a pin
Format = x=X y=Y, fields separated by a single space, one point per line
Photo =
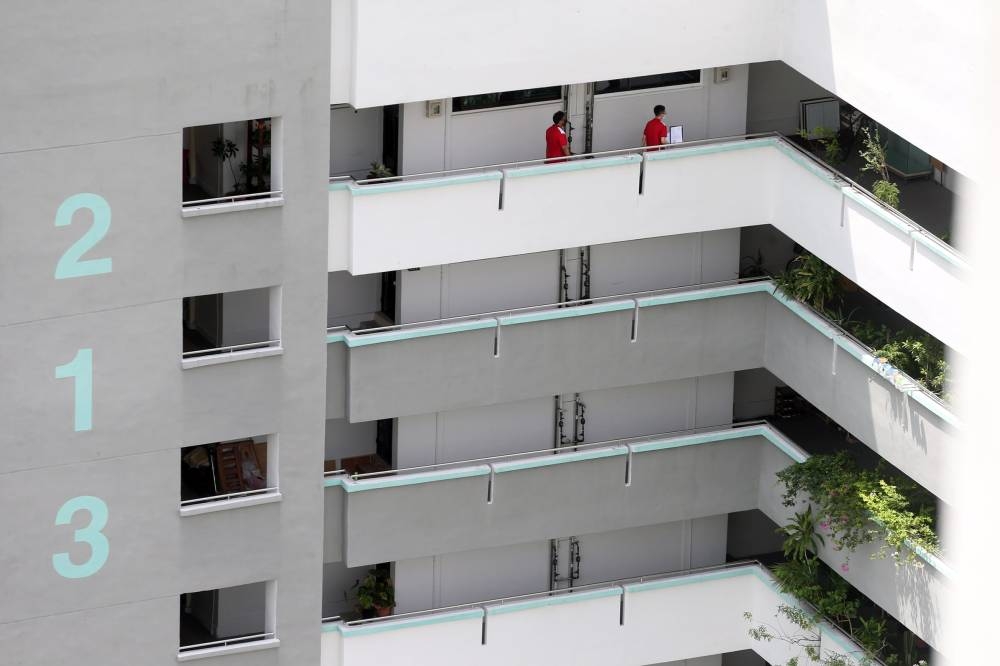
x=378 y=170
x=376 y=595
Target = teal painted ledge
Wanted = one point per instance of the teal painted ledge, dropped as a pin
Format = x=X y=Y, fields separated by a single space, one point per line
x=690 y=579
x=389 y=624
x=555 y=600
x=710 y=149
x=838 y=337
x=572 y=165
x=423 y=183
x=560 y=459
x=406 y=479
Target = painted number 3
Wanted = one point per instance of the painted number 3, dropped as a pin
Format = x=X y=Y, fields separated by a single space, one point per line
x=90 y=535
x=71 y=264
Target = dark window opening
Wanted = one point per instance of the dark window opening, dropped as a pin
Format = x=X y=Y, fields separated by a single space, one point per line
x=508 y=98
x=223 y=468
x=233 y=614
x=651 y=81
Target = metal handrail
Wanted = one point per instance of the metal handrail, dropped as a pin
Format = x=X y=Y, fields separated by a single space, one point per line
x=233 y=198
x=840 y=332
x=672 y=146
x=231 y=348
x=532 y=308
x=560 y=592
x=619 y=583
x=228 y=641
x=570 y=448
x=551 y=160
x=220 y=498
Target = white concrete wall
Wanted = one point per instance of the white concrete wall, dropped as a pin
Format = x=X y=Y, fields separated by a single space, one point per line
x=350 y=298
x=696 y=189
x=706 y=110
x=773 y=97
x=842 y=46
x=705 y=618
x=245 y=316
x=355 y=140
x=466 y=577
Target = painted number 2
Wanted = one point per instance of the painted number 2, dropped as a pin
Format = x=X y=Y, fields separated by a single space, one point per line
x=81 y=369
x=90 y=535
x=71 y=265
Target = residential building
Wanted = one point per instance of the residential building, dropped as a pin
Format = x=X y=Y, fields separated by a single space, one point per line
x=292 y=305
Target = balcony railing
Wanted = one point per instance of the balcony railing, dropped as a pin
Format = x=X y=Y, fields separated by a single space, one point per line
x=752 y=325
x=506 y=209
x=620 y=621
x=606 y=485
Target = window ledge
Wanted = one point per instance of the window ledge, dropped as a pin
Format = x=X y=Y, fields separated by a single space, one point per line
x=231 y=206
x=230 y=357
x=227 y=504
x=266 y=644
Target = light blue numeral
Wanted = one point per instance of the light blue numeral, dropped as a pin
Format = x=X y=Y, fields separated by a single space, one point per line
x=70 y=265
x=90 y=535
x=81 y=368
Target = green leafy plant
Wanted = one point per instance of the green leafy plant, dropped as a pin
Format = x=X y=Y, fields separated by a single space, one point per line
x=225 y=151
x=857 y=506
x=378 y=170
x=802 y=541
x=828 y=141
x=873 y=155
x=808 y=278
x=375 y=591
x=921 y=357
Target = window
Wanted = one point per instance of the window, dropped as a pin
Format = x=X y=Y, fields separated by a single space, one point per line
x=226 y=474
x=644 y=82
x=229 y=619
x=227 y=163
x=509 y=98
x=230 y=326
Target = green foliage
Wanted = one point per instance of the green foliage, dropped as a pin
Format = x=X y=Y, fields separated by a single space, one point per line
x=919 y=356
x=873 y=155
x=922 y=357
x=811 y=280
x=828 y=142
x=375 y=590
x=378 y=170
x=857 y=506
x=887 y=192
x=225 y=150
x=802 y=541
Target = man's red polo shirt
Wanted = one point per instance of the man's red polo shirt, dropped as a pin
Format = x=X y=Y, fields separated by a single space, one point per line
x=654 y=132
x=555 y=140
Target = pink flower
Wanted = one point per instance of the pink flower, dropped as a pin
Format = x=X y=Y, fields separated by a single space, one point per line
x=824 y=524
x=844 y=567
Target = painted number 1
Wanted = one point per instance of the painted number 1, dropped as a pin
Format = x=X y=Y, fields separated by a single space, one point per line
x=90 y=535
x=81 y=369
x=70 y=264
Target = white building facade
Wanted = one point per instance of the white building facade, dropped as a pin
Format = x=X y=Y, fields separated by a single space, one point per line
x=550 y=398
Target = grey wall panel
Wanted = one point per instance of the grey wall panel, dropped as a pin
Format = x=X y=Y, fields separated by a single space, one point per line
x=99 y=97
x=423 y=375
x=155 y=253
x=334 y=521
x=143 y=240
x=336 y=381
x=135 y=387
x=901 y=430
x=143 y=632
x=232 y=399
x=572 y=498
x=444 y=372
x=125 y=69
x=151 y=550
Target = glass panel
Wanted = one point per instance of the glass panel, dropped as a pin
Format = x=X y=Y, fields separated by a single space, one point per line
x=644 y=82
x=508 y=98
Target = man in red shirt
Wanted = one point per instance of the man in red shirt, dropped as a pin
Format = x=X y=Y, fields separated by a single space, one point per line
x=556 y=142
x=655 y=133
